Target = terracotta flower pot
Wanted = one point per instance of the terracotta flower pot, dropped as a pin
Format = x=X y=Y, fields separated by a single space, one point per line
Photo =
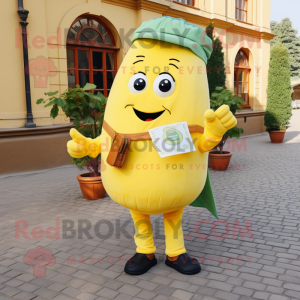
x=277 y=136
x=219 y=162
x=91 y=187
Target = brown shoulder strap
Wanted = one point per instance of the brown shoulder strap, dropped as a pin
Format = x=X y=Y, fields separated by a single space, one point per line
x=145 y=135
x=109 y=130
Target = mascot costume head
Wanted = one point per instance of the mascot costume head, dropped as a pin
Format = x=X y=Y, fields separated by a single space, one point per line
x=160 y=93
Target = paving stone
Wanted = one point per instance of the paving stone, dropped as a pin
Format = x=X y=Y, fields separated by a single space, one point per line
x=147 y=285
x=41 y=282
x=160 y=297
x=291 y=286
x=220 y=285
x=271 y=281
x=127 y=279
x=218 y=277
x=90 y=288
x=147 y=295
x=57 y=287
x=242 y=291
x=182 y=295
x=180 y=285
x=39 y=298
x=107 y=293
x=226 y=295
x=254 y=285
x=86 y=296
x=193 y=288
x=71 y=292
x=275 y=290
x=13 y=282
x=76 y=283
x=292 y=294
x=166 y=290
x=10 y=291
x=161 y=280
x=278 y=297
x=62 y=278
x=25 y=296
x=13 y=273
x=129 y=290
x=198 y=297
x=81 y=274
x=110 y=274
x=28 y=287
x=261 y=295
x=274 y=269
x=46 y=293
x=123 y=297
x=62 y=297
x=97 y=279
x=113 y=284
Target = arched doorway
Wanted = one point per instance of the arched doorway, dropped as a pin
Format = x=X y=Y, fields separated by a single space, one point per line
x=91 y=54
x=241 y=77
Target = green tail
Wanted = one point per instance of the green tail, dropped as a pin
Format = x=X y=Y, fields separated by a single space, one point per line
x=206 y=198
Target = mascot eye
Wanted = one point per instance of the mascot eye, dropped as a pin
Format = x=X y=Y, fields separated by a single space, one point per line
x=164 y=85
x=138 y=83
x=45 y=68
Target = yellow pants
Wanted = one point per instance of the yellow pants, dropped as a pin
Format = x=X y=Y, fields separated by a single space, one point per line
x=173 y=233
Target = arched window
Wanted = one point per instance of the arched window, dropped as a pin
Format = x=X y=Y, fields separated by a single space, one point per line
x=241 y=77
x=91 y=54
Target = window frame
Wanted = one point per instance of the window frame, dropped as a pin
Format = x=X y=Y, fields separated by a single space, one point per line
x=77 y=45
x=246 y=11
x=236 y=84
x=185 y=4
x=91 y=69
x=242 y=68
x=85 y=44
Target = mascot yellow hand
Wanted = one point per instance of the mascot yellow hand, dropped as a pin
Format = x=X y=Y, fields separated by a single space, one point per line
x=81 y=146
x=216 y=125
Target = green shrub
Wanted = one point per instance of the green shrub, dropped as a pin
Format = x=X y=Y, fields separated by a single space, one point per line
x=216 y=75
x=223 y=96
x=87 y=111
x=279 y=109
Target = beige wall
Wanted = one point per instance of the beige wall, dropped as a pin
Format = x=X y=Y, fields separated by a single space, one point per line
x=35 y=152
x=49 y=21
x=12 y=101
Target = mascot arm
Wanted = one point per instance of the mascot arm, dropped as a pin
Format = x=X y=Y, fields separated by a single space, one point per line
x=81 y=146
x=216 y=125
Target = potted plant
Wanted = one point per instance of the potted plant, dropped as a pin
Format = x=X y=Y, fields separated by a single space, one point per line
x=279 y=110
x=87 y=110
x=219 y=159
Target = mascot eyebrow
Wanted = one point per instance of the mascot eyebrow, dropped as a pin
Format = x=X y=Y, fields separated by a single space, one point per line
x=165 y=73
x=139 y=60
x=173 y=64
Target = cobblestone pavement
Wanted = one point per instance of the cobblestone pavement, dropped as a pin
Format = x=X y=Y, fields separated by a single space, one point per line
x=261 y=187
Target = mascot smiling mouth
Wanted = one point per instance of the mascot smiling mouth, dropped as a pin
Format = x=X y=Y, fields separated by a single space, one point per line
x=147 y=117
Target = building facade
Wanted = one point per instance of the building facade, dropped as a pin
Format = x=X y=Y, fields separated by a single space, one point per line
x=77 y=41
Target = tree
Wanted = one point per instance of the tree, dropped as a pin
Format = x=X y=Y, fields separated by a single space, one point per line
x=286 y=34
x=215 y=66
x=275 y=29
x=279 y=109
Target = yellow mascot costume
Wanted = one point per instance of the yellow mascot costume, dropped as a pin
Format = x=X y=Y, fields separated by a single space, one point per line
x=162 y=83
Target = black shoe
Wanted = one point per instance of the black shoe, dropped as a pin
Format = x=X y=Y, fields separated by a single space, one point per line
x=139 y=264
x=184 y=264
